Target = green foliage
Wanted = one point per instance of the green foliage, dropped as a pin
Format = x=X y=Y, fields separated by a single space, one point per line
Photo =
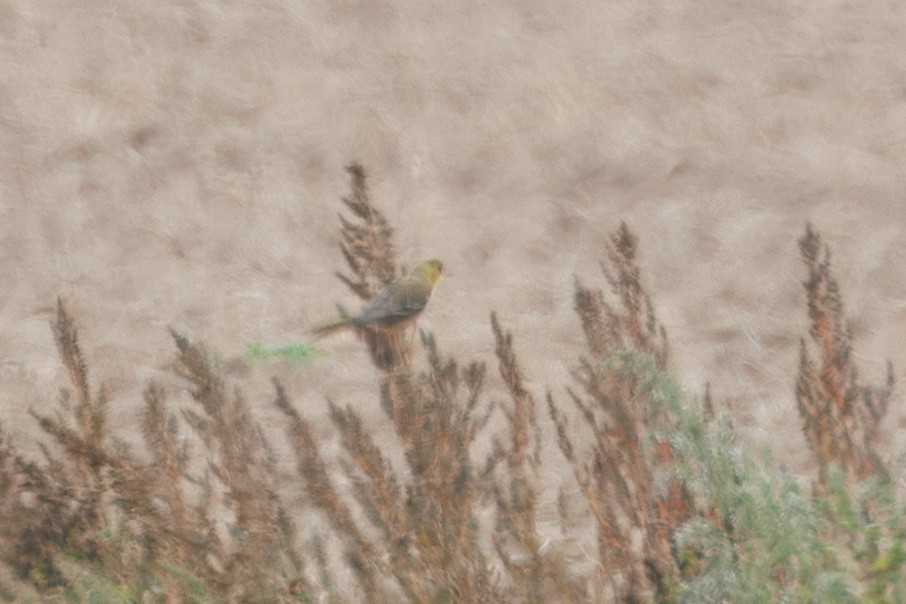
x=756 y=537
x=759 y=538
x=294 y=353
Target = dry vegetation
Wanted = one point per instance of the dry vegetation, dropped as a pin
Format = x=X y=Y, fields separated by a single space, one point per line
x=679 y=510
x=840 y=416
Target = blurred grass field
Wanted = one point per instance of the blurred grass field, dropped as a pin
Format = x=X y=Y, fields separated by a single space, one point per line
x=178 y=165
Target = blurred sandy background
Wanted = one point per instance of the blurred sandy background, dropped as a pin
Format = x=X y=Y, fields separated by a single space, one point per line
x=180 y=163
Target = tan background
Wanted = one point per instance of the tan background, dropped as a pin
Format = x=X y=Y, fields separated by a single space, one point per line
x=180 y=163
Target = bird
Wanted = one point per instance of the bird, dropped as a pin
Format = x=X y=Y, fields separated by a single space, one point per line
x=396 y=305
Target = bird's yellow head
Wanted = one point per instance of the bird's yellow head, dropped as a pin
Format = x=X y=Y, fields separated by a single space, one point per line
x=431 y=270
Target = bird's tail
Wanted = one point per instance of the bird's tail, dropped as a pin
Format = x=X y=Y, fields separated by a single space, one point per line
x=325 y=330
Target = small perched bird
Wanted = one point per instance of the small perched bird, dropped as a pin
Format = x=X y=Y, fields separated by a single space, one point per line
x=397 y=304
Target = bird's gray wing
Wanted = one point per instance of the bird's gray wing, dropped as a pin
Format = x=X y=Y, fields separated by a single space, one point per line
x=388 y=309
